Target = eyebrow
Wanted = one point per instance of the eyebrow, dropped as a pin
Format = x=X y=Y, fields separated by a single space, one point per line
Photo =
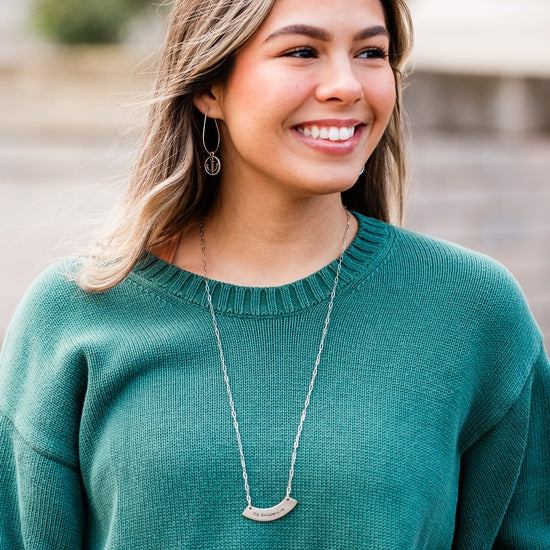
x=325 y=36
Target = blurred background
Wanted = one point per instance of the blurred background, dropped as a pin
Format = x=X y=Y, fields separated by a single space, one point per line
x=72 y=74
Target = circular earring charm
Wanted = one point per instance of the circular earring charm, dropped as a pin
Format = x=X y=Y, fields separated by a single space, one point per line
x=212 y=165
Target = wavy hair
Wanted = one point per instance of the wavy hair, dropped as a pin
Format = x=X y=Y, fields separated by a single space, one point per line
x=167 y=190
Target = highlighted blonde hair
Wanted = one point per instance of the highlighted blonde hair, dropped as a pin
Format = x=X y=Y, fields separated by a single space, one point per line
x=167 y=190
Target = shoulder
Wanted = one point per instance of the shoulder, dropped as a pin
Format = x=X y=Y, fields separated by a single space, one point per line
x=54 y=309
x=50 y=294
x=450 y=272
x=445 y=280
x=459 y=279
x=40 y=365
x=46 y=317
x=476 y=307
x=54 y=282
x=56 y=296
x=436 y=256
x=423 y=255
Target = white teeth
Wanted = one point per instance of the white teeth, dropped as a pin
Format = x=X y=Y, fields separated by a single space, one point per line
x=332 y=133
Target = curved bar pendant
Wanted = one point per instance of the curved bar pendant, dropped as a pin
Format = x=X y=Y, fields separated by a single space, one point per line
x=270 y=514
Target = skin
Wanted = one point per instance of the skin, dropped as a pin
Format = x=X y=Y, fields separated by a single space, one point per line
x=279 y=215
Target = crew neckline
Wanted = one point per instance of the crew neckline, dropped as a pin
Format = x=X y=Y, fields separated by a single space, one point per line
x=364 y=253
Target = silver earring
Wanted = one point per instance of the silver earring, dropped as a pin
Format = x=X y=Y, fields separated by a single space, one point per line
x=362 y=171
x=212 y=165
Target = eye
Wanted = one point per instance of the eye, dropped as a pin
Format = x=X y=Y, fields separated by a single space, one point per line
x=374 y=53
x=301 y=53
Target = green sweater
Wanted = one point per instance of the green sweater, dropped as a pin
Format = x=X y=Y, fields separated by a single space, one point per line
x=428 y=427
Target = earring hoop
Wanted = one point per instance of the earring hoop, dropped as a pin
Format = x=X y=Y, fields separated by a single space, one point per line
x=212 y=165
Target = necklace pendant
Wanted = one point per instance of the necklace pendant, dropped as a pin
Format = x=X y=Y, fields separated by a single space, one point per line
x=270 y=514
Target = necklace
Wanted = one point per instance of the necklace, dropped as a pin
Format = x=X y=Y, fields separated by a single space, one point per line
x=288 y=503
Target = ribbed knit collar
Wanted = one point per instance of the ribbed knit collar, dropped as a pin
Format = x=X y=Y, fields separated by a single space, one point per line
x=367 y=249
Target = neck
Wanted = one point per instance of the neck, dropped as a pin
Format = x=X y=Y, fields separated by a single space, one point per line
x=274 y=242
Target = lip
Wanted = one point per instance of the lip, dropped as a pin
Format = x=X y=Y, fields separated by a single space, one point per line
x=327 y=146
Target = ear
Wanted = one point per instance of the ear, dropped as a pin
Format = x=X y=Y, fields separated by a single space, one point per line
x=211 y=102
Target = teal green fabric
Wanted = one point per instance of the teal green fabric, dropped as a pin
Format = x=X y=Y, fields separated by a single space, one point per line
x=428 y=428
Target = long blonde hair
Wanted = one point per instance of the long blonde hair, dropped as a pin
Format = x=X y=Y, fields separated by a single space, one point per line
x=167 y=190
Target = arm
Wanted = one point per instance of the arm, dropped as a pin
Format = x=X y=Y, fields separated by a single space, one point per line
x=504 y=498
x=42 y=387
x=526 y=525
x=40 y=498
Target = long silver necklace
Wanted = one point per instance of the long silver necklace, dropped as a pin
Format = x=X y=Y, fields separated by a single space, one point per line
x=288 y=503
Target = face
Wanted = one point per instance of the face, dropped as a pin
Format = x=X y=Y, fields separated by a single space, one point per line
x=309 y=97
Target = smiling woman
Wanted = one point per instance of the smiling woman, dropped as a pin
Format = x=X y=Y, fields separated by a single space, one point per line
x=251 y=355
x=288 y=65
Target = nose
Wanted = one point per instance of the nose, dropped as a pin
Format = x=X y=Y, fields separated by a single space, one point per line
x=339 y=83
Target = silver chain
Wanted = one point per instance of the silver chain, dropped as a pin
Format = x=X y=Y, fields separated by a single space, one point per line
x=314 y=375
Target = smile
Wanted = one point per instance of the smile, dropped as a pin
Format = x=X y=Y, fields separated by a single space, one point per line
x=328 y=133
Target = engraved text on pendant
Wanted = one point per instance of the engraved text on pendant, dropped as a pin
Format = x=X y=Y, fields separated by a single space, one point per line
x=270 y=514
x=212 y=165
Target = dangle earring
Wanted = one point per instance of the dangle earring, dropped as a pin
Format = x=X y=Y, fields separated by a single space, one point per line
x=212 y=165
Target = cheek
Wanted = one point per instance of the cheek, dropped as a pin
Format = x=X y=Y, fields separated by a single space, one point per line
x=279 y=89
x=265 y=99
x=244 y=86
x=381 y=94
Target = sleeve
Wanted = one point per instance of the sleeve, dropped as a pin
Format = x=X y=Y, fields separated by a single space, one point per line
x=526 y=524
x=42 y=387
x=40 y=498
x=504 y=498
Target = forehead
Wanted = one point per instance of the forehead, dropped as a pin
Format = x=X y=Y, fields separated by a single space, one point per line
x=324 y=13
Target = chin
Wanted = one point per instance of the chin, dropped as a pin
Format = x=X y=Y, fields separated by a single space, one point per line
x=338 y=183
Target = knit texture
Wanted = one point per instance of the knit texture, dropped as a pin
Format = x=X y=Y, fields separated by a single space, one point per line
x=428 y=426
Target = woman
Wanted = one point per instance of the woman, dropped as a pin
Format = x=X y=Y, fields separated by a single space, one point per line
x=245 y=362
